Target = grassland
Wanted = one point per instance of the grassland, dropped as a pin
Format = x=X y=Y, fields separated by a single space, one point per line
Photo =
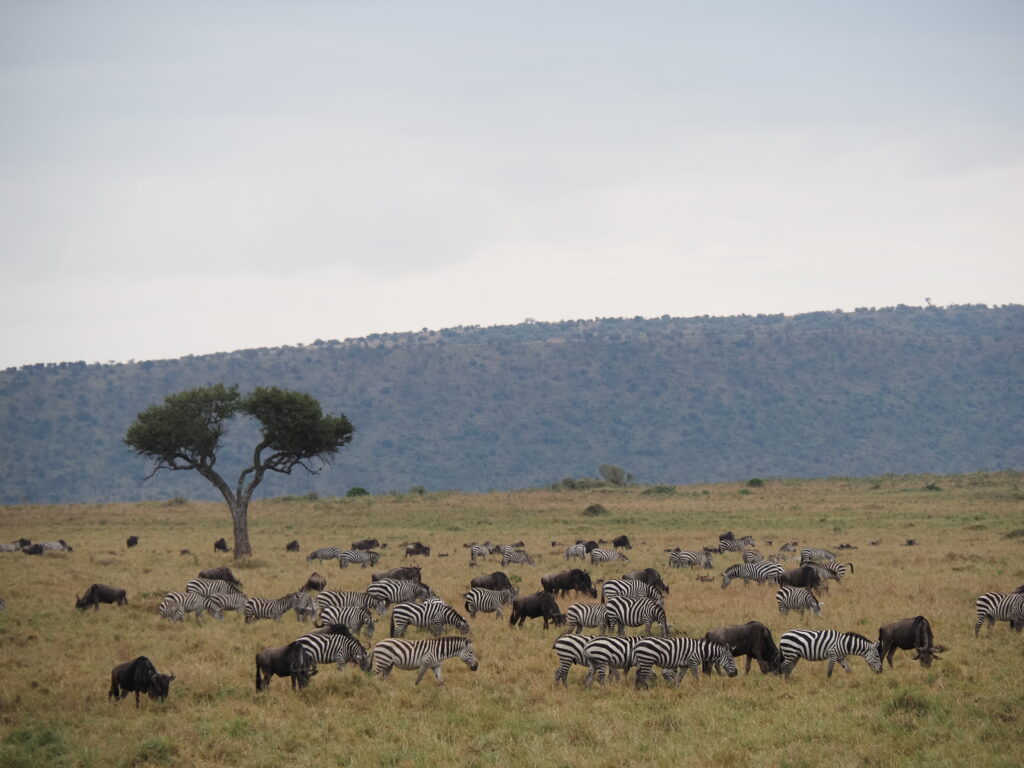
x=967 y=709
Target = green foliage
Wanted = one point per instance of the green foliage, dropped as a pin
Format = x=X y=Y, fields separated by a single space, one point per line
x=932 y=487
x=578 y=484
x=755 y=482
x=594 y=510
x=356 y=491
x=615 y=475
x=660 y=490
x=294 y=425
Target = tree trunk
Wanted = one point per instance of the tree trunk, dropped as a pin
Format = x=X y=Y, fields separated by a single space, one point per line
x=240 y=518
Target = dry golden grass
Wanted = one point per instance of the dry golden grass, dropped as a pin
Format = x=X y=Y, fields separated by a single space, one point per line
x=968 y=708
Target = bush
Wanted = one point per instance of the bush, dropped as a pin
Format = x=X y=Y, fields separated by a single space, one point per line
x=594 y=510
x=660 y=490
x=578 y=484
x=418 y=489
x=755 y=482
x=357 y=491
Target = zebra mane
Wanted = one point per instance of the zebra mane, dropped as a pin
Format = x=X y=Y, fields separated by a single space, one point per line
x=855 y=636
x=732 y=570
x=336 y=629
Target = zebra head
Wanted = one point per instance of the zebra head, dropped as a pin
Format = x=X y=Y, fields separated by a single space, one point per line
x=723 y=658
x=360 y=656
x=468 y=655
x=304 y=606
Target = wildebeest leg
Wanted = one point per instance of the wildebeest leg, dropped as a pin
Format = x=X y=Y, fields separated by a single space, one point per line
x=889 y=653
x=136 y=699
x=749 y=659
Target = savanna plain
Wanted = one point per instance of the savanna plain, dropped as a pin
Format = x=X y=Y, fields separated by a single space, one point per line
x=967 y=709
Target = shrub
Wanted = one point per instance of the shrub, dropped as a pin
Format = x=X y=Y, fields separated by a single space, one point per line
x=755 y=482
x=594 y=510
x=660 y=490
x=357 y=491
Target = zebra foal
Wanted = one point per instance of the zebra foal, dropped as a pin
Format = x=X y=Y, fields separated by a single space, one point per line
x=798 y=599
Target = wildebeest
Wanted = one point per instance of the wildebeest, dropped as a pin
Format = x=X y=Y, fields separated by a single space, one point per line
x=33 y=549
x=366 y=544
x=648 y=576
x=315 y=581
x=15 y=546
x=292 y=546
x=496 y=580
x=564 y=581
x=220 y=546
x=408 y=573
x=220 y=573
x=416 y=548
x=753 y=640
x=1019 y=590
x=805 y=576
x=909 y=635
x=133 y=541
x=100 y=593
x=589 y=546
x=140 y=676
x=291 y=660
x=622 y=542
x=541 y=605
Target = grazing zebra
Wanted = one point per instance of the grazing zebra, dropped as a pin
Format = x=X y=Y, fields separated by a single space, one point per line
x=570 y=650
x=997 y=606
x=335 y=645
x=352 y=616
x=576 y=551
x=481 y=551
x=480 y=600
x=633 y=612
x=826 y=644
x=175 y=605
x=398 y=591
x=759 y=572
x=829 y=570
x=422 y=655
x=687 y=559
x=581 y=615
x=324 y=553
x=15 y=546
x=679 y=654
x=257 y=608
x=813 y=553
x=609 y=653
x=752 y=556
x=211 y=587
x=225 y=601
x=509 y=555
x=54 y=546
x=789 y=546
x=341 y=598
x=433 y=614
x=598 y=555
x=630 y=588
x=797 y=598
x=362 y=556
x=735 y=545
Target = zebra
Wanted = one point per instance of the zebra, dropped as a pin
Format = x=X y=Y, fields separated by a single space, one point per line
x=630 y=588
x=257 y=608
x=789 y=546
x=997 y=606
x=340 y=598
x=576 y=551
x=210 y=587
x=398 y=591
x=175 y=605
x=422 y=655
x=623 y=611
x=509 y=555
x=751 y=556
x=570 y=649
x=735 y=545
x=598 y=555
x=686 y=559
x=481 y=551
x=759 y=572
x=361 y=556
x=433 y=614
x=15 y=546
x=480 y=600
x=609 y=652
x=829 y=570
x=324 y=553
x=679 y=653
x=797 y=598
x=813 y=553
x=828 y=644
x=580 y=615
x=335 y=645
x=352 y=616
x=225 y=601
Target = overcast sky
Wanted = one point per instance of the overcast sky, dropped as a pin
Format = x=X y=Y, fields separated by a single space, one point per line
x=193 y=177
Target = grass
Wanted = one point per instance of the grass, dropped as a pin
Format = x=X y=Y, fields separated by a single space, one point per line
x=968 y=708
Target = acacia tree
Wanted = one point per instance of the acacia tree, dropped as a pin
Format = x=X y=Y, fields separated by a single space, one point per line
x=185 y=433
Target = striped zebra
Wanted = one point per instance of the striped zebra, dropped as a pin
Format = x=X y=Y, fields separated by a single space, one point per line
x=576 y=551
x=211 y=587
x=481 y=551
x=625 y=612
x=570 y=649
x=175 y=605
x=735 y=545
x=509 y=555
x=363 y=557
x=352 y=616
x=677 y=654
x=335 y=645
x=813 y=553
x=630 y=588
x=480 y=600
x=433 y=615
x=686 y=559
x=225 y=601
x=341 y=598
x=789 y=546
x=829 y=570
x=759 y=572
x=798 y=599
x=15 y=546
x=392 y=591
x=998 y=606
x=55 y=546
x=609 y=653
x=598 y=555
x=257 y=608
x=751 y=556
x=422 y=655
x=826 y=644
x=580 y=615
x=324 y=553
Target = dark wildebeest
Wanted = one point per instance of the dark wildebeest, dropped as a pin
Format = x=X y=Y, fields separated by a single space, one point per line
x=1019 y=590
x=753 y=640
x=220 y=573
x=621 y=542
x=909 y=635
x=805 y=576
x=140 y=676
x=496 y=580
x=291 y=660
x=541 y=605
x=589 y=546
x=292 y=546
x=416 y=548
x=33 y=549
x=220 y=546
x=563 y=581
x=315 y=581
x=409 y=573
x=133 y=541
x=100 y=593
x=366 y=544
x=648 y=576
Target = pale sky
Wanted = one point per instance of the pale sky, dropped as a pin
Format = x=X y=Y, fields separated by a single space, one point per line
x=194 y=177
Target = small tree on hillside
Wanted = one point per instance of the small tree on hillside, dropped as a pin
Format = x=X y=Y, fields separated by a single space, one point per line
x=185 y=433
x=615 y=475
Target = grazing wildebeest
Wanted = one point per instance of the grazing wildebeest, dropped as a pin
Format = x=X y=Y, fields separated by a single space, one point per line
x=621 y=542
x=138 y=675
x=563 y=581
x=496 y=580
x=133 y=541
x=589 y=546
x=416 y=548
x=33 y=549
x=292 y=546
x=291 y=660
x=909 y=635
x=366 y=544
x=220 y=546
x=648 y=576
x=409 y=573
x=1019 y=590
x=100 y=593
x=753 y=640
x=805 y=576
x=315 y=581
x=221 y=573
x=541 y=605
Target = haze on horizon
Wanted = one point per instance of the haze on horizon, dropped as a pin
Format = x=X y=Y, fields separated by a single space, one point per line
x=191 y=178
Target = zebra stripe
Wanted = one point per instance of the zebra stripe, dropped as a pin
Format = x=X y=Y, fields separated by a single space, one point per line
x=688 y=559
x=14 y=546
x=481 y=551
x=509 y=555
x=433 y=615
x=759 y=572
x=341 y=598
x=826 y=644
x=324 y=553
x=735 y=545
x=352 y=616
x=629 y=588
x=398 y=591
x=751 y=556
x=480 y=600
x=609 y=652
x=677 y=654
x=813 y=553
x=422 y=655
x=581 y=615
x=360 y=556
x=211 y=587
x=335 y=645
x=225 y=601
x=175 y=605
x=598 y=555
x=570 y=649
x=797 y=598
x=998 y=606
x=576 y=551
x=55 y=546
x=634 y=612
x=257 y=608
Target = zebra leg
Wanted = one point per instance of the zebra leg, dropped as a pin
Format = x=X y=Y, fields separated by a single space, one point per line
x=831 y=664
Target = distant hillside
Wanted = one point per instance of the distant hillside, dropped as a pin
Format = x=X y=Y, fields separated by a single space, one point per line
x=671 y=400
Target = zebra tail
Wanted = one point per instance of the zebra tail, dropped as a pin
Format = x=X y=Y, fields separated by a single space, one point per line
x=258 y=687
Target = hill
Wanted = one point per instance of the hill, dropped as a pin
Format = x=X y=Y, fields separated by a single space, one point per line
x=672 y=400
